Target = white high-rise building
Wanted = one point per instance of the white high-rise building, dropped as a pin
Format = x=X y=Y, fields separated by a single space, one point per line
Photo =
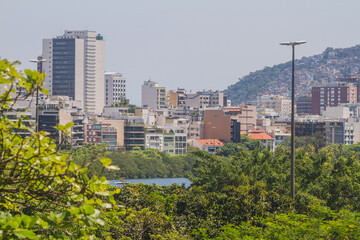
x=152 y=95
x=75 y=67
x=115 y=88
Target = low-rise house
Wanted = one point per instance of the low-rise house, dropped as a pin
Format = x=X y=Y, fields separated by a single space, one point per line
x=208 y=145
x=263 y=137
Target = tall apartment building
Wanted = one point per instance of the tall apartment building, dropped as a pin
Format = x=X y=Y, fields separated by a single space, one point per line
x=96 y=133
x=75 y=67
x=227 y=125
x=171 y=143
x=304 y=105
x=171 y=99
x=176 y=98
x=206 y=99
x=75 y=137
x=279 y=103
x=245 y=115
x=334 y=132
x=352 y=132
x=134 y=132
x=351 y=79
x=61 y=110
x=152 y=95
x=332 y=95
x=115 y=88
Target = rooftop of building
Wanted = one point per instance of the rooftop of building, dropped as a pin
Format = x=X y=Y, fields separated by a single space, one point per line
x=337 y=84
x=233 y=109
x=113 y=73
x=210 y=142
x=273 y=97
x=259 y=135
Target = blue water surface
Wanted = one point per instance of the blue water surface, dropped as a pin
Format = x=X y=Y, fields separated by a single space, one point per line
x=157 y=181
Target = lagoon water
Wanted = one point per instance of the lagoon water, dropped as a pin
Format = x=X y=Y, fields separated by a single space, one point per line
x=157 y=181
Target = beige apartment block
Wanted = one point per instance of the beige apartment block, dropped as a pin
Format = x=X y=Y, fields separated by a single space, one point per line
x=280 y=104
x=118 y=124
x=152 y=95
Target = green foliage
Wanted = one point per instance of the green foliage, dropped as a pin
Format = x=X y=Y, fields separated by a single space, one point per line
x=232 y=148
x=256 y=82
x=43 y=194
x=317 y=140
x=245 y=196
x=320 y=223
x=331 y=174
x=148 y=163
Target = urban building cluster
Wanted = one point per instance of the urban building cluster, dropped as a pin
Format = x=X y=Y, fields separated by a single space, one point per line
x=80 y=91
x=332 y=109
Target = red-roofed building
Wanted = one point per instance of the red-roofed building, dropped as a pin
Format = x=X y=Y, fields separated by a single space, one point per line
x=263 y=137
x=208 y=145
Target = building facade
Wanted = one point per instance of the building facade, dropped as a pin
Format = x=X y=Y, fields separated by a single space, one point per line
x=227 y=125
x=170 y=142
x=97 y=133
x=61 y=110
x=280 y=104
x=75 y=138
x=208 y=145
x=264 y=138
x=333 y=132
x=205 y=99
x=75 y=67
x=134 y=133
x=115 y=88
x=304 y=105
x=152 y=95
x=332 y=95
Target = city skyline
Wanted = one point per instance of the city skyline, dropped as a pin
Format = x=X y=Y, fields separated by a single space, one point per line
x=191 y=44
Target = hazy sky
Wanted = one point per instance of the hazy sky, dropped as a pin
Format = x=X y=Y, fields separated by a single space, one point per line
x=194 y=44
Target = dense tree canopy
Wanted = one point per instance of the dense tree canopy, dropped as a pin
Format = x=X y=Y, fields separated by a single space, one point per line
x=148 y=163
x=242 y=193
x=43 y=194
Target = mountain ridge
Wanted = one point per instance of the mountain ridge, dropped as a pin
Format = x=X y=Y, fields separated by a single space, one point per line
x=310 y=71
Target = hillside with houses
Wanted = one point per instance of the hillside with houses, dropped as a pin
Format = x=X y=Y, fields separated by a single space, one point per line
x=310 y=71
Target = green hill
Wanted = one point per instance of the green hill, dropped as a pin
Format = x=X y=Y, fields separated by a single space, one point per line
x=310 y=71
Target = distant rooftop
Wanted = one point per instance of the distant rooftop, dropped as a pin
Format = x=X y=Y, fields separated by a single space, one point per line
x=259 y=135
x=337 y=84
x=210 y=142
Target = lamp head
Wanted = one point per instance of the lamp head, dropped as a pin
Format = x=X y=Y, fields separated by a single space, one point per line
x=292 y=43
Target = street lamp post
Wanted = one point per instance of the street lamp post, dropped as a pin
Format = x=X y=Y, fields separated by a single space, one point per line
x=213 y=138
x=292 y=177
x=39 y=62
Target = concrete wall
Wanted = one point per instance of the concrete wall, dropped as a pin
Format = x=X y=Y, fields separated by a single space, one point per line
x=336 y=112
